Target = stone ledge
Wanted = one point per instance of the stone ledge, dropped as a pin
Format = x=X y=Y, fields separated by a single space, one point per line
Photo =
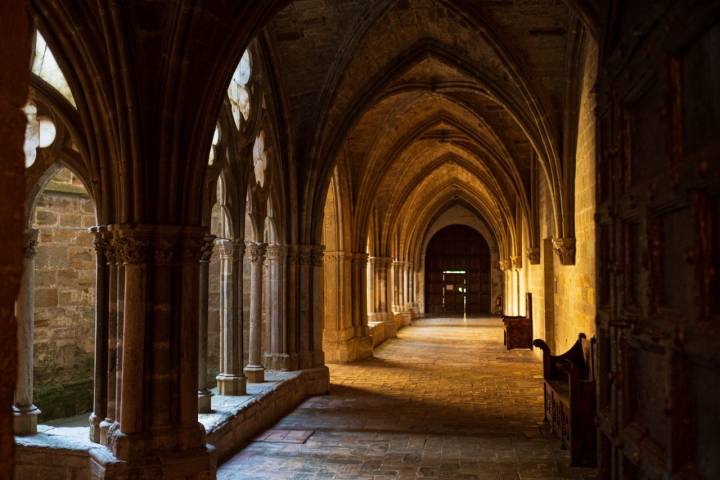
x=233 y=423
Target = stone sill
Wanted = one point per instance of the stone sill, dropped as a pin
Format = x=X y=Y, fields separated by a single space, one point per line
x=65 y=452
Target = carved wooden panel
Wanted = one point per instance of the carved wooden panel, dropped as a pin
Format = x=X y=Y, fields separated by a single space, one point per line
x=658 y=212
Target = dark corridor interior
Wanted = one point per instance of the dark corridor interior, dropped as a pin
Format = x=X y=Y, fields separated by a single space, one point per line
x=457 y=272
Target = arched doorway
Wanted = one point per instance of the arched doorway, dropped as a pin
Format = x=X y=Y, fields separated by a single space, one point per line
x=457 y=272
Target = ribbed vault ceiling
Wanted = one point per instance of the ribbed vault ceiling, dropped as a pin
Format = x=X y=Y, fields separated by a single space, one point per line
x=425 y=103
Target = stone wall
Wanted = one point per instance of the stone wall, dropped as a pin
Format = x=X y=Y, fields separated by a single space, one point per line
x=575 y=297
x=64 y=298
x=564 y=295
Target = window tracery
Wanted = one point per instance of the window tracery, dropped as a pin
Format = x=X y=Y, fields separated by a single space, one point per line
x=40 y=132
x=238 y=91
x=260 y=159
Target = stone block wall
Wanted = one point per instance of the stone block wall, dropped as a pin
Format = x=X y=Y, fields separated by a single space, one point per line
x=575 y=297
x=64 y=298
x=564 y=295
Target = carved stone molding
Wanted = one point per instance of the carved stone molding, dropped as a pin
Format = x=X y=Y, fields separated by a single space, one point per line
x=564 y=248
x=516 y=262
x=30 y=242
x=533 y=255
x=504 y=264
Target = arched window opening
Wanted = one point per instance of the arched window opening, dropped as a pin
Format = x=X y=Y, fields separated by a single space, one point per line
x=238 y=90
x=64 y=299
x=46 y=67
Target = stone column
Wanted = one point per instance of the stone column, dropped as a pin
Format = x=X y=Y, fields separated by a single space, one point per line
x=112 y=336
x=156 y=417
x=254 y=370
x=292 y=318
x=204 y=394
x=100 y=373
x=318 y=305
x=385 y=292
x=370 y=292
x=24 y=412
x=305 y=306
x=231 y=380
x=278 y=357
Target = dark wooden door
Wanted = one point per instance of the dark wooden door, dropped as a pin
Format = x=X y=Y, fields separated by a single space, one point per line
x=452 y=250
x=658 y=256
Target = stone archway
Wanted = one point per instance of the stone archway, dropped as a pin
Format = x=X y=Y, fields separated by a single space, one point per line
x=457 y=272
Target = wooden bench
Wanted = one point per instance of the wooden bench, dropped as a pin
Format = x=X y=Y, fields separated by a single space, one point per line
x=570 y=398
x=518 y=330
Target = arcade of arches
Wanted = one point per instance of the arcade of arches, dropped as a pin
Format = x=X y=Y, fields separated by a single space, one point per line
x=215 y=211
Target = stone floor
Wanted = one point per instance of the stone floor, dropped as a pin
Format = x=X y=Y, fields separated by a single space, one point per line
x=443 y=401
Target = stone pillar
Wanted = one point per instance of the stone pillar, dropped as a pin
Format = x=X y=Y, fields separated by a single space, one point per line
x=156 y=421
x=318 y=305
x=24 y=412
x=111 y=359
x=385 y=292
x=254 y=370
x=100 y=373
x=293 y=325
x=360 y=300
x=204 y=394
x=370 y=291
x=305 y=306
x=278 y=356
x=231 y=380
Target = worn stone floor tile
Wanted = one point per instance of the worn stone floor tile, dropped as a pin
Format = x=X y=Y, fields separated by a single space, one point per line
x=442 y=401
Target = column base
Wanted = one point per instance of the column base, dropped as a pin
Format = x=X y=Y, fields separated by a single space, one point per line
x=231 y=385
x=278 y=361
x=350 y=350
x=95 y=423
x=204 y=401
x=103 y=430
x=197 y=464
x=255 y=373
x=390 y=326
x=306 y=360
x=25 y=420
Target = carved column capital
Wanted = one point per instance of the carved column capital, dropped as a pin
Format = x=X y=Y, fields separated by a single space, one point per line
x=316 y=255
x=564 y=248
x=304 y=256
x=533 y=254
x=291 y=253
x=516 y=262
x=274 y=252
x=130 y=250
x=164 y=251
x=30 y=242
x=206 y=250
x=504 y=264
x=360 y=258
x=256 y=251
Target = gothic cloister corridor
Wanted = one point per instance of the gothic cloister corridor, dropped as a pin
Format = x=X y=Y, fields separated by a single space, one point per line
x=445 y=400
